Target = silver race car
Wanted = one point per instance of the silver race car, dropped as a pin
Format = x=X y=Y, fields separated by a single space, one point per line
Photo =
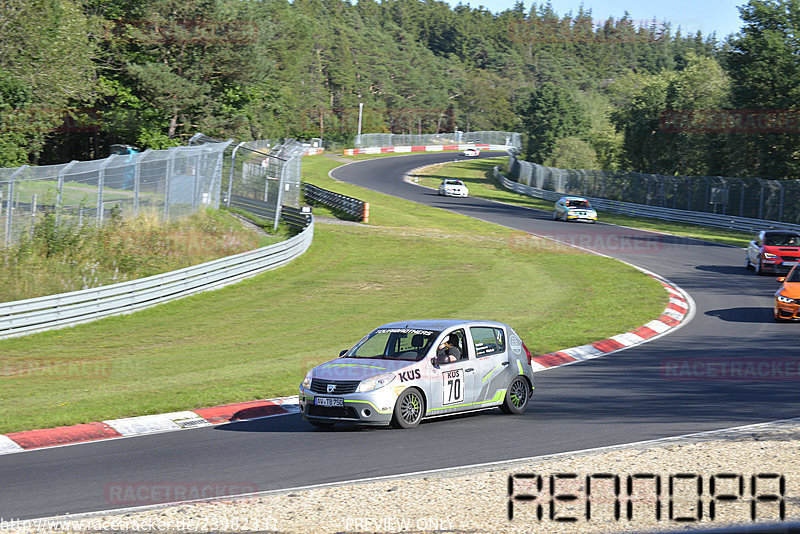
x=403 y=372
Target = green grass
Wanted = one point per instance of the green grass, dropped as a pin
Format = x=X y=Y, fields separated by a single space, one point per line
x=257 y=339
x=60 y=258
x=477 y=175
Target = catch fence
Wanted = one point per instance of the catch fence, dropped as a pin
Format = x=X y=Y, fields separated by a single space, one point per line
x=167 y=183
x=754 y=198
x=373 y=140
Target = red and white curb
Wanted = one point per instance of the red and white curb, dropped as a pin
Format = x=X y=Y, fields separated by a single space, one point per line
x=146 y=424
x=674 y=316
x=420 y=148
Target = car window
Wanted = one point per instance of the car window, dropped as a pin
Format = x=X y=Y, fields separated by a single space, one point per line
x=462 y=345
x=394 y=343
x=794 y=276
x=782 y=240
x=487 y=340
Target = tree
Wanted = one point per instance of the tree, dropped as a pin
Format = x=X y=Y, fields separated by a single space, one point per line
x=550 y=114
x=46 y=68
x=764 y=63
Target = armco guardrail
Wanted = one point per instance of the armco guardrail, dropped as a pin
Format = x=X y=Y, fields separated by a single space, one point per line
x=45 y=313
x=352 y=206
x=666 y=214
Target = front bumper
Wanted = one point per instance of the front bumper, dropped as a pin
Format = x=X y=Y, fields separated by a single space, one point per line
x=463 y=194
x=573 y=217
x=370 y=408
x=787 y=311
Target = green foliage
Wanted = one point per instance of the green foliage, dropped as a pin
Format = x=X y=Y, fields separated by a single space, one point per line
x=551 y=114
x=763 y=63
x=573 y=153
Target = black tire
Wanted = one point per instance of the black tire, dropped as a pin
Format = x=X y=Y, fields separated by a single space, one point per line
x=757 y=267
x=409 y=409
x=321 y=424
x=517 y=396
x=747 y=265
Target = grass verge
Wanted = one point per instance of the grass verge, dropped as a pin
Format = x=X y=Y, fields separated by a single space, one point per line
x=257 y=339
x=477 y=175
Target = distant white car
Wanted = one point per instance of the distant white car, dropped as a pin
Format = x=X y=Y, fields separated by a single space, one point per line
x=451 y=187
x=472 y=152
x=574 y=209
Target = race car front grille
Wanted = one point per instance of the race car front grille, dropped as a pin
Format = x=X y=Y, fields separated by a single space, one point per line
x=790 y=258
x=340 y=387
x=344 y=412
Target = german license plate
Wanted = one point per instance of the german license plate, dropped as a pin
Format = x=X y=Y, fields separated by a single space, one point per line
x=328 y=401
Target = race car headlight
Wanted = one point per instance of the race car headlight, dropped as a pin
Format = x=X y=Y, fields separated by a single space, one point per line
x=374 y=382
x=307 y=380
x=769 y=256
x=785 y=300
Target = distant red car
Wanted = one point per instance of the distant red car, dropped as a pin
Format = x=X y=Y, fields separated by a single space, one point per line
x=787 y=298
x=773 y=251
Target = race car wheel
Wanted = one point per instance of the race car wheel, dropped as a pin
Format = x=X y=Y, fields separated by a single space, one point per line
x=517 y=396
x=747 y=265
x=555 y=215
x=758 y=267
x=409 y=409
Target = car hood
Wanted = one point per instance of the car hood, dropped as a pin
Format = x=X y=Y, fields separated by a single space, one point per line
x=791 y=290
x=358 y=368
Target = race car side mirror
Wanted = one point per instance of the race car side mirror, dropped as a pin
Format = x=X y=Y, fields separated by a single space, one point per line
x=434 y=362
x=343 y=353
x=780 y=279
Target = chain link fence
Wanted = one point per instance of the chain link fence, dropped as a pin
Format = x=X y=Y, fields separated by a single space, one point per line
x=375 y=140
x=756 y=198
x=167 y=183
x=268 y=172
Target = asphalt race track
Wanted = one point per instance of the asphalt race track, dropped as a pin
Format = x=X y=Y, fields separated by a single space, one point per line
x=621 y=398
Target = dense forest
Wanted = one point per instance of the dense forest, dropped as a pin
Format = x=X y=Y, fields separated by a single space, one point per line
x=79 y=75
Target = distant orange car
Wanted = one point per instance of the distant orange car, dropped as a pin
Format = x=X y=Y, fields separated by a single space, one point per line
x=787 y=298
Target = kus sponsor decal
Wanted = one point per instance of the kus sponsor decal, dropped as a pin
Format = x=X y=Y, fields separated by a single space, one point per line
x=413 y=374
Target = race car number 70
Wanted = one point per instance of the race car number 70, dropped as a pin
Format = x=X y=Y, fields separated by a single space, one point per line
x=452 y=386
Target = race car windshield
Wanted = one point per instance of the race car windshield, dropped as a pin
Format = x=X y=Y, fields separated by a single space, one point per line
x=577 y=204
x=794 y=276
x=395 y=344
x=782 y=240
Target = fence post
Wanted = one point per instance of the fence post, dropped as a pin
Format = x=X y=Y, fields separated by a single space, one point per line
x=168 y=182
x=9 y=207
x=101 y=179
x=60 y=195
x=230 y=180
x=780 y=204
x=137 y=180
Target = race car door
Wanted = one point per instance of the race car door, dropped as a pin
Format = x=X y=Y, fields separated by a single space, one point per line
x=453 y=384
x=493 y=372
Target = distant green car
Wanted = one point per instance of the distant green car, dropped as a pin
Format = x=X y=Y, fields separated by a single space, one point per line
x=404 y=372
x=574 y=209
